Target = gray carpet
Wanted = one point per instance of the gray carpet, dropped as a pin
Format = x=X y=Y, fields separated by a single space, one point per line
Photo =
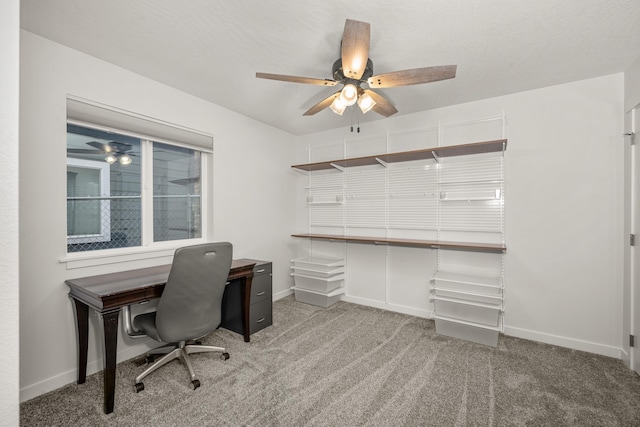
x=351 y=365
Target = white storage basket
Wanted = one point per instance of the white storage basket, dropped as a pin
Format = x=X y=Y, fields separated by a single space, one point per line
x=485 y=314
x=467 y=331
x=317 y=298
x=466 y=283
x=318 y=284
x=318 y=264
x=316 y=273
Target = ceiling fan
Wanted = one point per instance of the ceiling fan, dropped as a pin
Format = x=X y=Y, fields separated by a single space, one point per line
x=354 y=69
x=115 y=151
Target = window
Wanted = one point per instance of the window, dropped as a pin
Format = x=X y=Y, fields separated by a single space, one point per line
x=176 y=193
x=126 y=191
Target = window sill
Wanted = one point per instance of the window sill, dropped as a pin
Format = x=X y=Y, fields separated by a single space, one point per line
x=123 y=255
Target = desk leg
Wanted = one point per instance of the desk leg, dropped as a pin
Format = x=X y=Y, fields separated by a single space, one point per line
x=82 y=325
x=245 y=296
x=110 y=323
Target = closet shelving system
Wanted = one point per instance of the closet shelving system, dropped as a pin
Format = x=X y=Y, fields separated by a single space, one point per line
x=461 y=195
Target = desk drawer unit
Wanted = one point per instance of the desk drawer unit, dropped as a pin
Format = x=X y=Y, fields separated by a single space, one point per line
x=260 y=314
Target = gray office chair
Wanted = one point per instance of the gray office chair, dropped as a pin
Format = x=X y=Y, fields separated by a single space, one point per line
x=189 y=308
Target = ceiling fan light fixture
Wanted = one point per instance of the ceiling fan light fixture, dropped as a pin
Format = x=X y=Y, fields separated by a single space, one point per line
x=365 y=102
x=349 y=94
x=125 y=160
x=111 y=159
x=337 y=106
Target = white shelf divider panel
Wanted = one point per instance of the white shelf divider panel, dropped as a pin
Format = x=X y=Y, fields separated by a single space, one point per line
x=413 y=196
x=471 y=193
x=325 y=198
x=365 y=197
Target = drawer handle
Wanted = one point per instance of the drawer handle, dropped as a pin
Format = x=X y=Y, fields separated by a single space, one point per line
x=259 y=294
x=260 y=271
x=260 y=320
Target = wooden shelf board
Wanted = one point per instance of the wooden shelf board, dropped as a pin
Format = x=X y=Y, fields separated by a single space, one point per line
x=428 y=153
x=430 y=244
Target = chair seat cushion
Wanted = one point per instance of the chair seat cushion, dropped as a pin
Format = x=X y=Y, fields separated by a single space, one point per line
x=147 y=323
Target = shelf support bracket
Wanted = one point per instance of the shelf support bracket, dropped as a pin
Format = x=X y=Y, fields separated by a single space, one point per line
x=302 y=171
x=382 y=162
x=340 y=168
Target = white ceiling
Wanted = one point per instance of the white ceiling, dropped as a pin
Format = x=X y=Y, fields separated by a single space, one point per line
x=212 y=49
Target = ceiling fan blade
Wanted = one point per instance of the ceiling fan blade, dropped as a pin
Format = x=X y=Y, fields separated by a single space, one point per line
x=111 y=146
x=355 y=48
x=321 y=105
x=295 y=79
x=383 y=106
x=413 y=77
x=84 y=151
x=105 y=148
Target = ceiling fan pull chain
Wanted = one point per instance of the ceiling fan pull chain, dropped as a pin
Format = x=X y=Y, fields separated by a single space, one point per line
x=351 y=120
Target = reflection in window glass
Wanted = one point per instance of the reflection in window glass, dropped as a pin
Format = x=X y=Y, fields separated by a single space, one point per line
x=177 y=191
x=88 y=219
x=103 y=190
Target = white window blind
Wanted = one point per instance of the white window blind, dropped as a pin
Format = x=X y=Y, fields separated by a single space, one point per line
x=85 y=112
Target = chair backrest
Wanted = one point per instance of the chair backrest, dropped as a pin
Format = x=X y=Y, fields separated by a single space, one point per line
x=191 y=303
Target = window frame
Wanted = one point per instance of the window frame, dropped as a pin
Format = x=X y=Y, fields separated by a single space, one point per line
x=148 y=249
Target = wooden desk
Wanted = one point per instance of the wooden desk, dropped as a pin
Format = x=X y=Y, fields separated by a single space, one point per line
x=108 y=293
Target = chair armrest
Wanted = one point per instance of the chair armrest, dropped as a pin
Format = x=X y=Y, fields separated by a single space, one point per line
x=128 y=324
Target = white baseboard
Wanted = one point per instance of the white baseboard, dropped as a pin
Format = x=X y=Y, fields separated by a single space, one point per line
x=591 y=347
x=413 y=311
x=71 y=376
x=626 y=358
x=282 y=294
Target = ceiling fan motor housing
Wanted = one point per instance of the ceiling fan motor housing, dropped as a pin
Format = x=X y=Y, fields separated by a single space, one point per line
x=338 y=73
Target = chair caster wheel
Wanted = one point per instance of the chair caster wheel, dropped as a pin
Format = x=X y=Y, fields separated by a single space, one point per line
x=138 y=387
x=194 y=384
x=224 y=356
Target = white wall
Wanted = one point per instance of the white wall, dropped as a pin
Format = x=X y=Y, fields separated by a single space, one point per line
x=9 y=78
x=253 y=204
x=564 y=208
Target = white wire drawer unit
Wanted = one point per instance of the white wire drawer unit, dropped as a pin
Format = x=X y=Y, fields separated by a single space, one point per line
x=318 y=281
x=468 y=306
